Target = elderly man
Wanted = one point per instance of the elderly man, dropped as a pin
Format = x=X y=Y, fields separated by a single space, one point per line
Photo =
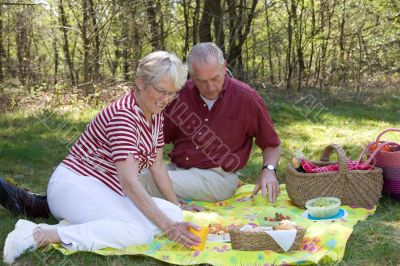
x=211 y=125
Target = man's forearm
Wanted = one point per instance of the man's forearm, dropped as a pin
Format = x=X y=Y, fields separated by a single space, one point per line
x=271 y=155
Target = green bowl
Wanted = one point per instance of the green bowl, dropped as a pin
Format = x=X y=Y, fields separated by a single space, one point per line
x=323 y=207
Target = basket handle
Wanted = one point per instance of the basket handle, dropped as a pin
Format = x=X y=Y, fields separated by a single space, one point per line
x=364 y=151
x=342 y=158
x=385 y=131
x=378 y=149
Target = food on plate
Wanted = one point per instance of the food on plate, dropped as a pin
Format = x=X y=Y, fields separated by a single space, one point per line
x=218 y=232
x=221 y=232
x=278 y=217
x=286 y=225
x=217 y=228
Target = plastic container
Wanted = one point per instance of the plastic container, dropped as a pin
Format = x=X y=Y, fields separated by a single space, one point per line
x=323 y=207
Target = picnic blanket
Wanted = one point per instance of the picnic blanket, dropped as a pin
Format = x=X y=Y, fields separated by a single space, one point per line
x=324 y=241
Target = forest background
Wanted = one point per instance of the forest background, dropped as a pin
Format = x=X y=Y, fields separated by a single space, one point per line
x=84 y=46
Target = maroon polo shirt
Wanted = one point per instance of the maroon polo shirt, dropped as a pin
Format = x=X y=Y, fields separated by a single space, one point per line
x=222 y=136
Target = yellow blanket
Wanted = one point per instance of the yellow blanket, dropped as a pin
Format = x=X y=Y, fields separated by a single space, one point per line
x=324 y=241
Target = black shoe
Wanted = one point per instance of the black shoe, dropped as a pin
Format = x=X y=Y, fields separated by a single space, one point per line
x=21 y=202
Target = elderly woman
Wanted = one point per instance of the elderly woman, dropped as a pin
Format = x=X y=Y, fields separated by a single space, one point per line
x=96 y=188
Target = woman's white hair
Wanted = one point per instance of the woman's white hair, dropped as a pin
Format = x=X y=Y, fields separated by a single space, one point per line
x=157 y=65
x=202 y=51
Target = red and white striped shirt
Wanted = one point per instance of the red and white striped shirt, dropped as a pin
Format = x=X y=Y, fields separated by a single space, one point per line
x=118 y=130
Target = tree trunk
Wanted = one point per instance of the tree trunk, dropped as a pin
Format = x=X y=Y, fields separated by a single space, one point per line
x=21 y=41
x=219 y=23
x=212 y=14
x=297 y=25
x=2 y=51
x=280 y=67
x=9 y=43
x=195 y=19
x=64 y=28
x=342 y=63
x=86 y=49
x=205 y=22
x=325 y=43
x=238 y=34
x=271 y=65
x=117 y=55
x=56 y=59
x=96 y=35
x=253 y=55
x=186 y=15
x=155 y=29
x=310 y=60
x=289 y=49
x=125 y=53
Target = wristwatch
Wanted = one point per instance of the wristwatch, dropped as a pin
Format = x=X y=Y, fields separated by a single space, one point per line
x=270 y=167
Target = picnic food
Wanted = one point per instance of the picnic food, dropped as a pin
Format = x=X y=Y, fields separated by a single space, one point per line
x=278 y=217
x=217 y=232
x=321 y=202
x=286 y=225
x=282 y=225
x=217 y=228
x=323 y=207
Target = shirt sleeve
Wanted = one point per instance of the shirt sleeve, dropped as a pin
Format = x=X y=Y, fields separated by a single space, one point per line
x=262 y=127
x=122 y=133
x=170 y=129
x=160 y=139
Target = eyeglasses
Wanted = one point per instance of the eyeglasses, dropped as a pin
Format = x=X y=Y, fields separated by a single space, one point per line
x=169 y=95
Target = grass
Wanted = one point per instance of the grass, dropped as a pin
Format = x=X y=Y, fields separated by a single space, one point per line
x=33 y=142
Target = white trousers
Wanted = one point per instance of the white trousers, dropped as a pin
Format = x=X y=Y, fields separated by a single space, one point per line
x=99 y=217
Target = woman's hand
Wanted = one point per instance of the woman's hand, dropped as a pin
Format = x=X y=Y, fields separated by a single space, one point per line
x=179 y=232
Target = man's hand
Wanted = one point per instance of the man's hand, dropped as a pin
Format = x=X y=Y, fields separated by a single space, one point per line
x=179 y=232
x=267 y=181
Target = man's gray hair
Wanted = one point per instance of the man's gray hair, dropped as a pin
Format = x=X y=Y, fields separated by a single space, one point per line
x=201 y=52
x=157 y=65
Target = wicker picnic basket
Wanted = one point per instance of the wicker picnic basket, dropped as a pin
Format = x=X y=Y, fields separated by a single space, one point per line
x=389 y=161
x=245 y=240
x=356 y=187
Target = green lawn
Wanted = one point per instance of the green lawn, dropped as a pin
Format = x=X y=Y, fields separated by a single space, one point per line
x=33 y=142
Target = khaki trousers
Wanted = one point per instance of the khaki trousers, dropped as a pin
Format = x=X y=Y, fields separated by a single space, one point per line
x=195 y=184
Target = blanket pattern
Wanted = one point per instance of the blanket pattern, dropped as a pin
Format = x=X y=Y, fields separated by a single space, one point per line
x=324 y=241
